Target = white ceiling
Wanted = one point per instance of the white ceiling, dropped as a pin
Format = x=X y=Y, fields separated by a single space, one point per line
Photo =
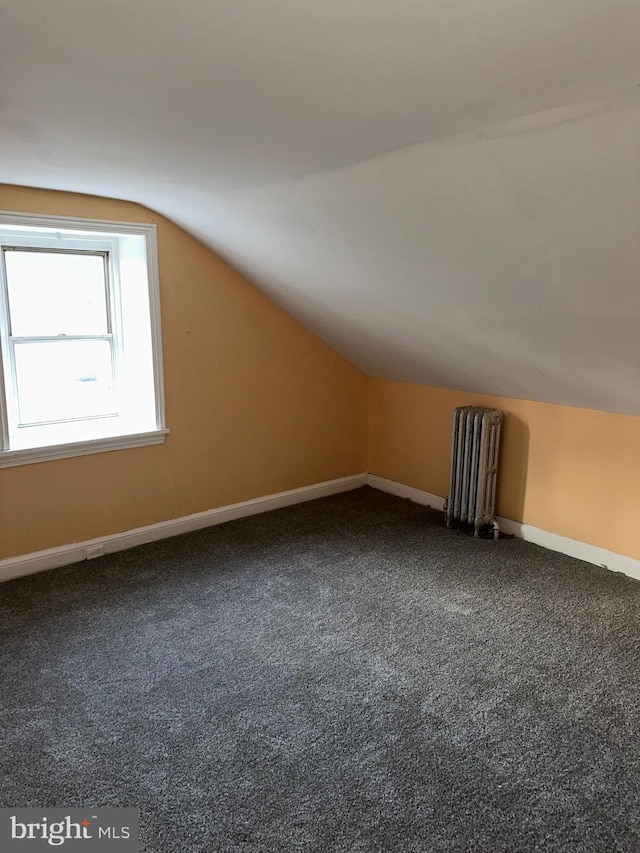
x=447 y=191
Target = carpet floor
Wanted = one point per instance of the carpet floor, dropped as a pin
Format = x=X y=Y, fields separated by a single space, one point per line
x=342 y=675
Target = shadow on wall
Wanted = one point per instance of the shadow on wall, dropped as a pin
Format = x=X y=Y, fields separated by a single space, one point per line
x=513 y=467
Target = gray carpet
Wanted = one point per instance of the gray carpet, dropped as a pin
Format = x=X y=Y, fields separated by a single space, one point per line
x=343 y=675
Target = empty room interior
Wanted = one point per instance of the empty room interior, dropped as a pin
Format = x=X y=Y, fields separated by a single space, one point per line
x=320 y=426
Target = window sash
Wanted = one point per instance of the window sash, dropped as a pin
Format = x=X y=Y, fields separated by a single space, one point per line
x=25 y=341
x=12 y=405
x=53 y=250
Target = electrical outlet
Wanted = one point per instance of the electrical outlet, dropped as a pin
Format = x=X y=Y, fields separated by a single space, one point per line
x=95 y=551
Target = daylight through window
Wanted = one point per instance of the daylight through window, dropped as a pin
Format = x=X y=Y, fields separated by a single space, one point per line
x=79 y=328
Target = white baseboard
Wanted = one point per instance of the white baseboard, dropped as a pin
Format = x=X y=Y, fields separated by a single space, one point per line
x=38 y=561
x=553 y=541
x=416 y=495
x=573 y=547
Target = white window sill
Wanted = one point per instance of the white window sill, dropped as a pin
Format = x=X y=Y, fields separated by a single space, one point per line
x=10 y=458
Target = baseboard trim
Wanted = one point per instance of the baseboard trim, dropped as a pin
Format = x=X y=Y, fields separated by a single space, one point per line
x=51 y=558
x=400 y=490
x=553 y=541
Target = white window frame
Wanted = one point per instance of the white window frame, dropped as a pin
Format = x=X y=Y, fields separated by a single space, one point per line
x=93 y=235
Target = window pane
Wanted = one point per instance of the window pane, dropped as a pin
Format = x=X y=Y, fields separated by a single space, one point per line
x=53 y=293
x=62 y=380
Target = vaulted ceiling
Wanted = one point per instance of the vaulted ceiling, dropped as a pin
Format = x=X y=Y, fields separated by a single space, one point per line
x=446 y=192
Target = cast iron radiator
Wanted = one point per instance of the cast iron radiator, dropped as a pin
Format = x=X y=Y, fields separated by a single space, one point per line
x=475 y=442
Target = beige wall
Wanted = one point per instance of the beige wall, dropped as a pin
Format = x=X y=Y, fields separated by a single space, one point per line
x=575 y=472
x=256 y=404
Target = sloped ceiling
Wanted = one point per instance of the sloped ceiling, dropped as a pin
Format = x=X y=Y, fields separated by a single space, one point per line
x=446 y=192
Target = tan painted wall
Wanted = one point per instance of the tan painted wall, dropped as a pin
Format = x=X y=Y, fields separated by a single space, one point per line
x=256 y=404
x=572 y=471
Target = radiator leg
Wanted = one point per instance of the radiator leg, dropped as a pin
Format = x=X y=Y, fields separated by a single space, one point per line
x=477 y=528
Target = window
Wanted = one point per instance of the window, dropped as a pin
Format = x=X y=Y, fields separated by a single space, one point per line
x=80 y=338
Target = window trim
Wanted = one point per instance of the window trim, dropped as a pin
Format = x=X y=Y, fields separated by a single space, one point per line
x=24 y=456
